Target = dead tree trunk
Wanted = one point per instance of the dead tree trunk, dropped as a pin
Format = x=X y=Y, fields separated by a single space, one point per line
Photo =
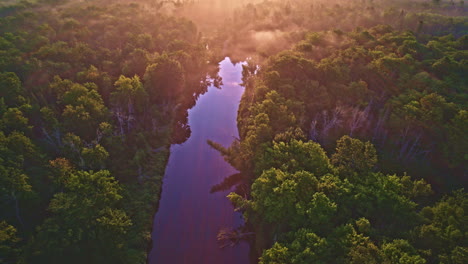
x=17 y=210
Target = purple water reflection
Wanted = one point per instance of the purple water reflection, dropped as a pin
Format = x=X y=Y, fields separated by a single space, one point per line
x=189 y=216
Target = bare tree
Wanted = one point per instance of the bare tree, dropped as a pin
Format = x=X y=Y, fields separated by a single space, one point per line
x=410 y=145
x=379 y=133
x=324 y=121
x=358 y=118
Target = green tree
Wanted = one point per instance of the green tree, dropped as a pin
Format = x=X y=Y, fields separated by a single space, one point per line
x=341 y=245
x=363 y=250
x=8 y=243
x=277 y=254
x=353 y=155
x=86 y=224
x=400 y=252
x=307 y=247
x=95 y=157
x=128 y=101
x=10 y=87
x=295 y=155
x=83 y=111
x=14 y=120
x=282 y=113
x=16 y=150
x=385 y=200
x=60 y=173
x=289 y=200
x=444 y=231
x=137 y=63
x=164 y=79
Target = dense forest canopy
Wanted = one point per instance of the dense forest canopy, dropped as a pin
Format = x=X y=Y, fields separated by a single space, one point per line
x=363 y=104
x=353 y=126
x=92 y=93
x=332 y=122
x=267 y=27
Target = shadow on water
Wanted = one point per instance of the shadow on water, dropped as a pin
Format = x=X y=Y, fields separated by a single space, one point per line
x=228 y=182
x=181 y=130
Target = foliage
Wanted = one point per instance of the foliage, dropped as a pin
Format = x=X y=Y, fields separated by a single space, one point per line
x=164 y=78
x=90 y=89
x=85 y=224
x=8 y=241
x=385 y=101
x=354 y=155
x=75 y=108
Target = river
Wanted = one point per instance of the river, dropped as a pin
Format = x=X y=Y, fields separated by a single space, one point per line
x=189 y=216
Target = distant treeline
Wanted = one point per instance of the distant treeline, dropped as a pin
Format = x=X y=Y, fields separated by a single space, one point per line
x=265 y=28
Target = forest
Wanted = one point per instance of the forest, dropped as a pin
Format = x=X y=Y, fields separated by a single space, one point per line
x=90 y=97
x=352 y=128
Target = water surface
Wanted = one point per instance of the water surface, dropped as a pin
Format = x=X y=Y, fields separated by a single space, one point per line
x=189 y=216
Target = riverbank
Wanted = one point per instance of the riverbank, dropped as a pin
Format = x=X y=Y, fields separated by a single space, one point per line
x=148 y=193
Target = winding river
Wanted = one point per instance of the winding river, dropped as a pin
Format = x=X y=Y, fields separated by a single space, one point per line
x=189 y=216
